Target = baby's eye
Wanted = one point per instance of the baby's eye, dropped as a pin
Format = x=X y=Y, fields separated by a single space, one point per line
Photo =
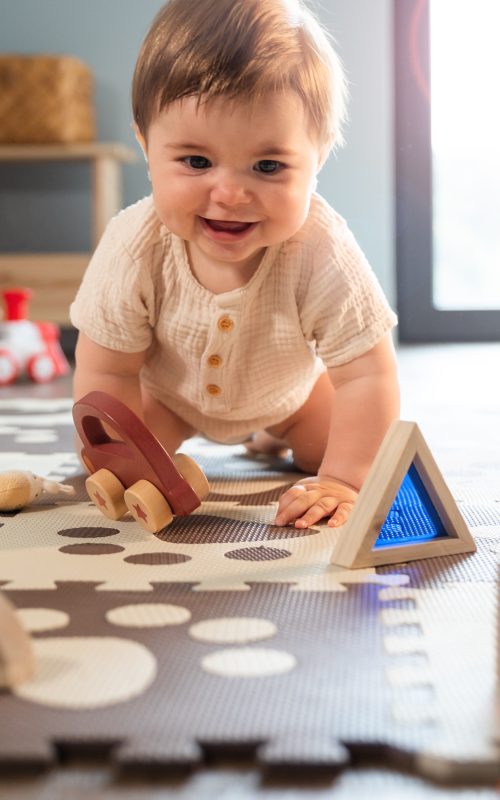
x=268 y=166
x=196 y=162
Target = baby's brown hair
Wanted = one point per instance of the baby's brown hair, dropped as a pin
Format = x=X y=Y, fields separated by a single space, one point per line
x=239 y=49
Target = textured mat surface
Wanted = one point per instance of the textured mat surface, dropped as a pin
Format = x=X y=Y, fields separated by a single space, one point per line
x=225 y=634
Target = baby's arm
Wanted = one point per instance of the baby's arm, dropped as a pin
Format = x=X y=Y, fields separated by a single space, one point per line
x=98 y=368
x=366 y=401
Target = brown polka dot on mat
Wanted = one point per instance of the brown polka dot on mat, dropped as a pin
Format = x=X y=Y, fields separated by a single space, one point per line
x=263 y=498
x=261 y=553
x=205 y=529
x=88 y=533
x=154 y=559
x=91 y=549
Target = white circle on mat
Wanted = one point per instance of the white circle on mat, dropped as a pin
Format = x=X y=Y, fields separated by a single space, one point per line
x=232 y=630
x=85 y=672
x=42 y=619
x=148 y=615
x=36 y=437
x=248 y=662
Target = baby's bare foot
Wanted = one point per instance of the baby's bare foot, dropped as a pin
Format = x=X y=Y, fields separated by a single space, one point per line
x=263 y=442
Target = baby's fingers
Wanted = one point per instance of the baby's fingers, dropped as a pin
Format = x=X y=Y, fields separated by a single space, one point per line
x=306 y=509
x=322 y=508
x=312 y=499
x=292 y=504
x=341 y=514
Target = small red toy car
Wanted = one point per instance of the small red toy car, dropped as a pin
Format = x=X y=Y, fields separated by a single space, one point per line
x=28 y=347
x=133 y=472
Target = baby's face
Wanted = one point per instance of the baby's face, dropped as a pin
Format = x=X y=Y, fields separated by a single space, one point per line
x=231 y=179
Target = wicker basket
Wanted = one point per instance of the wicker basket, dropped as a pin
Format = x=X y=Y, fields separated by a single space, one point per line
x=45 y=99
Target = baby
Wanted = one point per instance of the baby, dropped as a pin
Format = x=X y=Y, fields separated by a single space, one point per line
x=234 y=302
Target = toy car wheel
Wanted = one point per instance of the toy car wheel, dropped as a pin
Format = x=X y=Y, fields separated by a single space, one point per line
x=41 y=368
x=148 y=506
x=192 y=473
x=106 y=491
x=9 y=368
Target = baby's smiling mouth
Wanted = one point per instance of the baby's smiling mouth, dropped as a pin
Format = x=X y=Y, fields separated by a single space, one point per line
x=228 y=226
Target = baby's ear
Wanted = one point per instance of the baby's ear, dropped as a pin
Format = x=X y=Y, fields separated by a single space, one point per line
x=324 y=151
x=141 y=140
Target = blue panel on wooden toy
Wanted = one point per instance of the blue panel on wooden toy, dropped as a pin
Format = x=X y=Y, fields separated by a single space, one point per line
x=412 y=517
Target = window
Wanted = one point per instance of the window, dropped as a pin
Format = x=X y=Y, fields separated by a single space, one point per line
x=447 y=169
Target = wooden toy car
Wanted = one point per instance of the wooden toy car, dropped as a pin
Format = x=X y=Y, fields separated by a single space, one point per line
x=133 y=472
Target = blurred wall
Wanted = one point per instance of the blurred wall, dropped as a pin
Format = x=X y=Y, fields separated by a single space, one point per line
x=45 y=208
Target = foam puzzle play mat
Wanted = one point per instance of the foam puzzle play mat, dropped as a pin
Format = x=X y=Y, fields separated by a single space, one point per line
x=223 y=633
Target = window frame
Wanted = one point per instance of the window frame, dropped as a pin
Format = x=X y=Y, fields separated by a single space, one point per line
x=419 y=319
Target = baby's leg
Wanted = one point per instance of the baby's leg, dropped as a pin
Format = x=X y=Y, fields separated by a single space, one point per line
x=263 y=442
x=306 y=431
x=168 y=428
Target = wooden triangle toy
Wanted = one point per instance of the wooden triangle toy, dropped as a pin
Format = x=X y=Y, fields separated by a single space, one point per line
x=405 y=510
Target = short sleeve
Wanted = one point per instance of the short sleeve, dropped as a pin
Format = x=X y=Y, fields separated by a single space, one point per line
x=345 y=310
x=114 y=305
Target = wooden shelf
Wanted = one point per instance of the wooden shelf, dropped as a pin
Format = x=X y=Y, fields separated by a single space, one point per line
x=55 y=277
x=83 y=151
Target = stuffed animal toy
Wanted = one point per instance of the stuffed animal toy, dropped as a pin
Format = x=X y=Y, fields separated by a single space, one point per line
x=18 y=489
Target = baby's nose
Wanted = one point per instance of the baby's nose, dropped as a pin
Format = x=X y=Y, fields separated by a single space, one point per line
x=230 y=189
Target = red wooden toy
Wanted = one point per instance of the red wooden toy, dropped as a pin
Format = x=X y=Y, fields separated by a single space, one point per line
x=134 y=472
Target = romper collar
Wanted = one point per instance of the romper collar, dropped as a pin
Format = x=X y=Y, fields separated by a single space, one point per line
x=224 y=299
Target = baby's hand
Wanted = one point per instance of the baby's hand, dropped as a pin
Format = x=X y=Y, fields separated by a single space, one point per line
x=311 y=499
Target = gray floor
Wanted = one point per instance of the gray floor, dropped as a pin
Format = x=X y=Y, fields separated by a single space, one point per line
x=452 y=391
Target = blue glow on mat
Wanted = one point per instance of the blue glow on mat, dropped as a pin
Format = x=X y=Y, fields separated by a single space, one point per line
x=412 y=517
